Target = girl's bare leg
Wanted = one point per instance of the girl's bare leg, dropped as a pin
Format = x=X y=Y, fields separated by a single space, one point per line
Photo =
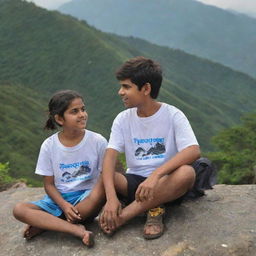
x=40 y=220
x=30 y=232
x=92 y=204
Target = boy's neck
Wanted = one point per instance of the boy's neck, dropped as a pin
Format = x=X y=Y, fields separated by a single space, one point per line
x=148 y=109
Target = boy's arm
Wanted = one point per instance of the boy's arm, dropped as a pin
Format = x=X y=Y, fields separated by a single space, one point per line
x=185 y=156
x=69 y=210
x=112 y=207
x=188 y=155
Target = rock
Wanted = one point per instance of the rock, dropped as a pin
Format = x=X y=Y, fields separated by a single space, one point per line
x=222 y=223
x=11 y=185
x=19 y=185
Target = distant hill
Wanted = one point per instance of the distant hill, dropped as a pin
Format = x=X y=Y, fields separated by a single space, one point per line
x=43 y=51
x=192 y=26
x=22 y=116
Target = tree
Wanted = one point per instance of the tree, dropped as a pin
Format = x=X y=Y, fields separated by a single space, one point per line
x=236 y=158
x=5 y=179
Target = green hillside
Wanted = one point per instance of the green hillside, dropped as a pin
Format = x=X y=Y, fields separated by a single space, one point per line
x=42 y=51
x=47 y=51
x=203 y=30
x=22 y=114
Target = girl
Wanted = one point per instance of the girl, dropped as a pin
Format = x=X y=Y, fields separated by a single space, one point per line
x=70 y=162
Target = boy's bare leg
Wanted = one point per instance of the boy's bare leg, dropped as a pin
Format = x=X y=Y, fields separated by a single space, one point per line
x=176 y=184
x=35 y=217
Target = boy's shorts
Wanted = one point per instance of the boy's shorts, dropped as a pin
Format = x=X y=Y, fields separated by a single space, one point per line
x=134 y=181
x=48 y=205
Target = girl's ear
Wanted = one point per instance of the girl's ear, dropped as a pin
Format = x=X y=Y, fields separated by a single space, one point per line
x=59 y=120
x=147 y=88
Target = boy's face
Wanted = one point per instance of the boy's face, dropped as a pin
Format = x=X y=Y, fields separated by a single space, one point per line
x=131 y=95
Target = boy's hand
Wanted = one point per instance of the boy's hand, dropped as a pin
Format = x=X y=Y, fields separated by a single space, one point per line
x=110 y=213
x=146 y=189
x=71 y=213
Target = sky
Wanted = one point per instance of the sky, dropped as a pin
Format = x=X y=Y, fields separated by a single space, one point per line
x=49 y=4
x=243 y=6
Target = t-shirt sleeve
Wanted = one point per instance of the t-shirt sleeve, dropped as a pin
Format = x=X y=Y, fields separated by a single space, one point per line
x=184 y=134
x=44 y=162
x=116 y=140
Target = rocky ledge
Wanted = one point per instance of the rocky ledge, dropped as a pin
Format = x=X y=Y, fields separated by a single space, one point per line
x=221 y=223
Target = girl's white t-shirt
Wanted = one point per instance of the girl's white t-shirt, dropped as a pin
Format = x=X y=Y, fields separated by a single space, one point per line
x=148 y=142
x=74 y=168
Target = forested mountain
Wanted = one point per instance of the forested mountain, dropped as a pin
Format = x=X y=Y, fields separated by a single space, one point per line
x=206 y=31
x=22 y=116
x=43 y=51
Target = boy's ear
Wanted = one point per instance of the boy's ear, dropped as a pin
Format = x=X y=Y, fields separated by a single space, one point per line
x=147 y=88
x=58 y=119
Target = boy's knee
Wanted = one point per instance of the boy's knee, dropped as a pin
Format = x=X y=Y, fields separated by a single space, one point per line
x=188 y=174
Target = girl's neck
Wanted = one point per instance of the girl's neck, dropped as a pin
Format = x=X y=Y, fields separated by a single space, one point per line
x=71 y=139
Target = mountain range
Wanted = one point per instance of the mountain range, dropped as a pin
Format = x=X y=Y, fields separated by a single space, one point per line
x=206 y=31
x=43 y=51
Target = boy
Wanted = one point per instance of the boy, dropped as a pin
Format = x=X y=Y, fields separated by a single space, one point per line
x=159 y=145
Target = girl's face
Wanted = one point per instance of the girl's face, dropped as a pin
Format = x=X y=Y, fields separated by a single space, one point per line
x=75 y=116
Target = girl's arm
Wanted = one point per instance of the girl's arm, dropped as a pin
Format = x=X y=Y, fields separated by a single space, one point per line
x=71 y=213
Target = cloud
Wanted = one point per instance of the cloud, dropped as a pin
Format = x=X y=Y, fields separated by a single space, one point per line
x=49 y=4
x=243 y=6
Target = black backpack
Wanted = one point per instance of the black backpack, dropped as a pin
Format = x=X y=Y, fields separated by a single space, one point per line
x=205 y=178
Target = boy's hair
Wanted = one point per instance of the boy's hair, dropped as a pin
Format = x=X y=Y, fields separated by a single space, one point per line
x=58 y=104
x=140 y=71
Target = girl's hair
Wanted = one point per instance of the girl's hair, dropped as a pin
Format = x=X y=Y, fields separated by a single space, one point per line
x=58 y=104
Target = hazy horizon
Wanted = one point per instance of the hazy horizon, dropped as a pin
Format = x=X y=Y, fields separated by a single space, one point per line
x=247 y=7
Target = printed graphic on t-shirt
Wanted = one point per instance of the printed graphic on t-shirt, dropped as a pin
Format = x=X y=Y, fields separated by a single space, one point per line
x=75 y=171
x=151 y=148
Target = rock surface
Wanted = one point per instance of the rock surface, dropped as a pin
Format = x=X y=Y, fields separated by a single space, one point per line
x=221 y=223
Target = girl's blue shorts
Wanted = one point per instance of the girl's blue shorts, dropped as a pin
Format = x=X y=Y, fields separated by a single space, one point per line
x=48 y=205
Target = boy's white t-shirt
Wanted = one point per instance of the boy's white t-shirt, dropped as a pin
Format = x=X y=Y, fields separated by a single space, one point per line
x=148 y=142
x=74 y=168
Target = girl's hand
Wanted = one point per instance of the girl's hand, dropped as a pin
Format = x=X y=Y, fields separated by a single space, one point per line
x=71 y=213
